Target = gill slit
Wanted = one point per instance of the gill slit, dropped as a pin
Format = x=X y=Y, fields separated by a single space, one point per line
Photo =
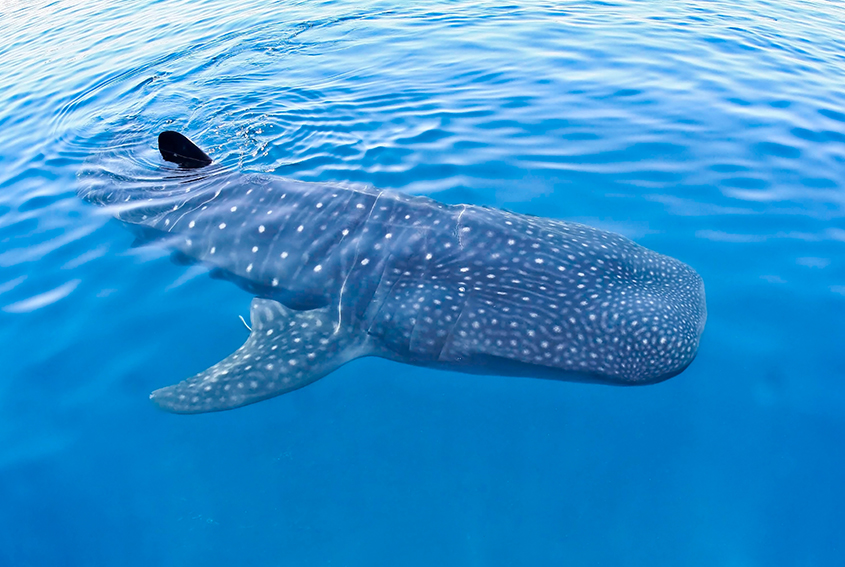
x=458 y=226
x=354 y=263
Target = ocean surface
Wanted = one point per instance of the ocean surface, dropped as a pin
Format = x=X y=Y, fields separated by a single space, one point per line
x=713 y=132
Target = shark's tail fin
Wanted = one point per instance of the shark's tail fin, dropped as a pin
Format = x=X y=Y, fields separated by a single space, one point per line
x=286 y=350
x=178 y=149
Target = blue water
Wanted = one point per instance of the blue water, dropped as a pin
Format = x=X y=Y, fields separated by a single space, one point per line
x=713 y=132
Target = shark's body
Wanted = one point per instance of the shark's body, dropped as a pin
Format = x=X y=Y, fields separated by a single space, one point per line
x=343 y=273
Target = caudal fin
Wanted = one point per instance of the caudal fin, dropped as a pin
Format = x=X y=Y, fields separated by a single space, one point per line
x=176 y=148
x=286 y=350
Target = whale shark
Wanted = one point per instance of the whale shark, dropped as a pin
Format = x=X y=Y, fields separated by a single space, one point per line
x=339 y=273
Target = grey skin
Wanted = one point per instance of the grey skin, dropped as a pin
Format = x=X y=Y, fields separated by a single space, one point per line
x=341 y=273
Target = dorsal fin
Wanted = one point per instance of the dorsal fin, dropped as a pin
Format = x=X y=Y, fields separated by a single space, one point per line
x=178 y=149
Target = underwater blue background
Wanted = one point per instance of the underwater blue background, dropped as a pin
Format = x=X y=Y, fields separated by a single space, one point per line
x=713 y=132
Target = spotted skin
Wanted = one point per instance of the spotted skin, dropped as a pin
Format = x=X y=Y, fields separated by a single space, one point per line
x=286 y=350
x=341 y=273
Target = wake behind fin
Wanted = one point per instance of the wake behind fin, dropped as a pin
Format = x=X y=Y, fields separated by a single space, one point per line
x=286 y=350
x=176 y=148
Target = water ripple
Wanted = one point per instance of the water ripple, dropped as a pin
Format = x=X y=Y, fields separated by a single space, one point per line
x=42 y=299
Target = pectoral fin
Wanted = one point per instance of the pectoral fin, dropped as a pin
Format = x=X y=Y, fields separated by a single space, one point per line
x=286 y=350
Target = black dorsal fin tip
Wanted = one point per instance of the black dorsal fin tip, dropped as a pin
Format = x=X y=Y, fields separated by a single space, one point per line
x=176 y=148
